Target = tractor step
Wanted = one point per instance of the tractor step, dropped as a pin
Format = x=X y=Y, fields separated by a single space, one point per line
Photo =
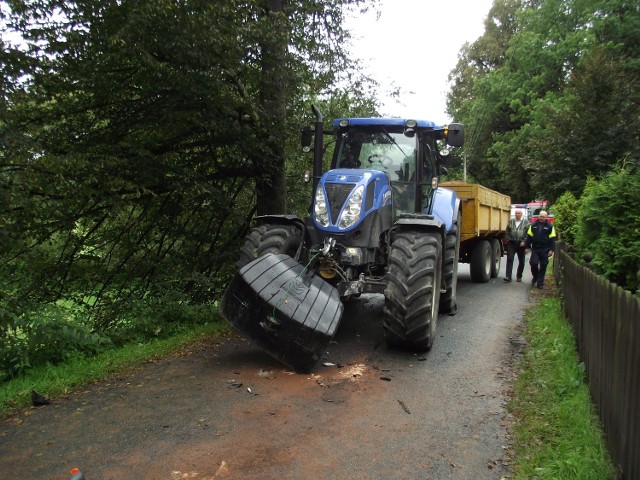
x=290 y=313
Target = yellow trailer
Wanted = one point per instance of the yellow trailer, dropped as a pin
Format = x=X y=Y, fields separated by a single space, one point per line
x=484 y=218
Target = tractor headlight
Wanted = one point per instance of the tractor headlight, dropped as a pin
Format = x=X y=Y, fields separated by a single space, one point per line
x=320 y=207
x=352 y=210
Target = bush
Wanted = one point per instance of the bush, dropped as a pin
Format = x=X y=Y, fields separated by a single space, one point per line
x=609 y=226
x=47 y=336
x=153 y=318
x=565 y=212
x=57 y=332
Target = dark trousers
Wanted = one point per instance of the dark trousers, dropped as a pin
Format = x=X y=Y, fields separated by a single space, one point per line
x=539 y=261
x=514 y=248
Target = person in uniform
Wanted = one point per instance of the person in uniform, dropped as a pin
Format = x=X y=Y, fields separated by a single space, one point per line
x=541 y=239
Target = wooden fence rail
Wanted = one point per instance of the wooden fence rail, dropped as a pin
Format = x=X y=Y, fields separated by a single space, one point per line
x=606 y=324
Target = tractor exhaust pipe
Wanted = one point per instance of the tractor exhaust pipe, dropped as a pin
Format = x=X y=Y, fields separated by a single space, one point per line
x=317 y=147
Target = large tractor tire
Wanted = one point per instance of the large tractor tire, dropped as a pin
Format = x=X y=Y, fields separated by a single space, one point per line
x=448 y=300
x=270 y=238
x=496 y=257
x=413 y=290
x=480 y=262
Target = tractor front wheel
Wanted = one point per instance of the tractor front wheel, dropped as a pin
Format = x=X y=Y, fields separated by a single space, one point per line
x=413 y=290
x=448 y=300
x=270 y=238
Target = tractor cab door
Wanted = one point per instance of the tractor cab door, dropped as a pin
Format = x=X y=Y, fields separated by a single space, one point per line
x=427 y=173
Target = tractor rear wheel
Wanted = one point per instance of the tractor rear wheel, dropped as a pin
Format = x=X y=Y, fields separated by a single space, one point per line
x=270 y=238
x=413 y=290
x=448 y=301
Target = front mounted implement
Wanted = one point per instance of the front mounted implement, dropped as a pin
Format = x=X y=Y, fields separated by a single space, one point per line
x=288 y=311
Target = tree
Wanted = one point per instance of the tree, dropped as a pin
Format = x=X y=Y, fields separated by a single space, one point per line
x=135 y=134
x=477 y=88
x=589 y=125
x=550 y=113
x=271 y=191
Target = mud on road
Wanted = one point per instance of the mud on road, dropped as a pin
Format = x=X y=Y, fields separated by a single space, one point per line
x=225 y=410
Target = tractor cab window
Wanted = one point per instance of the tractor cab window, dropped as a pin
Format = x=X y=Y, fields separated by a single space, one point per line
x=374 y=149
x=390 y=152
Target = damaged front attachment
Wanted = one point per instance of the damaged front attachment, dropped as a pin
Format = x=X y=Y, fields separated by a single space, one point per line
x=287 y=310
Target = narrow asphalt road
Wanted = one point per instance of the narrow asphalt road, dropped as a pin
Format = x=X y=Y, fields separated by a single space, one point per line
x=226 y=410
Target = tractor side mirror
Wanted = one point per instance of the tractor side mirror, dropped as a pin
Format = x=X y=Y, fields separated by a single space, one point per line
x=455 y=134
x=306 y=137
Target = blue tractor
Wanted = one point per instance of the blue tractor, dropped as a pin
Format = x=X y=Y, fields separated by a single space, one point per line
x=378 y=223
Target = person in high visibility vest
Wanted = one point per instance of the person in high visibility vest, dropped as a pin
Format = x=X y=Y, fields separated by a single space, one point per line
x=541 y=239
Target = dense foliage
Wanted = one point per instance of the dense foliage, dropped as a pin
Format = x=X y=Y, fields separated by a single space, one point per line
x=139 y=138
x=609 y=226
x=550 y=97
x=565 y=211
x=549 y=94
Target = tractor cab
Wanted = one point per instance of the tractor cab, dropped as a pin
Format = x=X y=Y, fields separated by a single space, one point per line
x=403 y=150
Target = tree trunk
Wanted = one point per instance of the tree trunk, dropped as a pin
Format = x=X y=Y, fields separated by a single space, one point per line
x=271 y=186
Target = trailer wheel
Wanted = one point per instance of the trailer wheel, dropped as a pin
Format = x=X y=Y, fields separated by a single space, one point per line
x=448 y=300
x=480 y=262
x=496 y=257
x=270 y=238
x=413 y=290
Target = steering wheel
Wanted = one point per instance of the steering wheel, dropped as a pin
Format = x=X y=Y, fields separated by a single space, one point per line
x=383 y=160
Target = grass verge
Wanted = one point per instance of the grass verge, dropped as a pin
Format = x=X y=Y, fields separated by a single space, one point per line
x=56 y=380
x=557 y=433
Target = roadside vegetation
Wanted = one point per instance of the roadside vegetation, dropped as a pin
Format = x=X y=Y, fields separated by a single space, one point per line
x=78 y=370
x=557 y=432
x=601 y=229
x=138 y=141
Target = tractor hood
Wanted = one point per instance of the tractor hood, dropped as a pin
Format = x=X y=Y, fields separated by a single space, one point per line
x=344 y=198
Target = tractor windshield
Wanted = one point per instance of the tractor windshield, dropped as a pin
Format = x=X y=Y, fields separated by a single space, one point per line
x=378 y=149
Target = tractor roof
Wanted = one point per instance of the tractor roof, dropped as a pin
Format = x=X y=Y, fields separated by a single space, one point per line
x=388 y=122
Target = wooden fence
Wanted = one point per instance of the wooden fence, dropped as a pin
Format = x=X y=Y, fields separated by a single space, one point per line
x=606 y=324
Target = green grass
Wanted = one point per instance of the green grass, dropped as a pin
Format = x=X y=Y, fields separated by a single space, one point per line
x=55 y=380
x=557 y=433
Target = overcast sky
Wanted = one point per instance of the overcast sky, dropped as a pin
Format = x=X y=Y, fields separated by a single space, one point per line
x=414 y=45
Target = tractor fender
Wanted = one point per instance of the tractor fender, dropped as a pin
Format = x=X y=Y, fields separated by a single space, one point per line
x=282 y=220
x=285 y=219
x=446 y=206
x=422 y=222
